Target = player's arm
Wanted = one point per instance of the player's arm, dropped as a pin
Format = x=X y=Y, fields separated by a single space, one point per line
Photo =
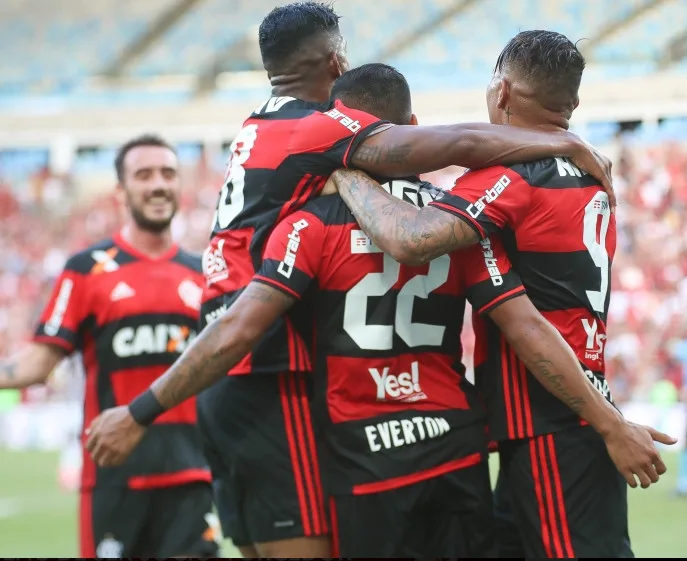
x=411 y=235
x=553 y=363
x=400 y=151
x=57 y=333
x=31 y=365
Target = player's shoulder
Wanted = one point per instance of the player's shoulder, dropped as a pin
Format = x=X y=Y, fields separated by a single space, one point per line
x=189 y=260
x=328 y=210
x=554 y=173
x=84 y=261
x=286 y=107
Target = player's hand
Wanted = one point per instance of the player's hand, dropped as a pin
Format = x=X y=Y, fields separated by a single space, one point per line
x=330 y=187
x=112 y=436
x=596 y=164
x=634 y=453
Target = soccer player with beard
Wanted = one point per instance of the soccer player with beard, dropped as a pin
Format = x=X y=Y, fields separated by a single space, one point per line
x=130 y=305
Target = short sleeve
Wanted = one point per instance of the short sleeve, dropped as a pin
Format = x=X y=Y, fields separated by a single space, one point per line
x=333 y=135
x=293 y=254
x=488 y=275
x=62 y=319
x=489 y=200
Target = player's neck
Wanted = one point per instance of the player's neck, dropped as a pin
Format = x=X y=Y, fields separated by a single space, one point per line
x=153 y=244
x=298 y=87
x=541 y=119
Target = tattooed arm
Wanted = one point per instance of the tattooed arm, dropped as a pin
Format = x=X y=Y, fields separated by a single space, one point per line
x=411 y=235
x=221 y=345
x=32 y=365
x=400 y=151
x=552 y=362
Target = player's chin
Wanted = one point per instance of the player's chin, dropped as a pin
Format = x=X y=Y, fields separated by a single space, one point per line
x=155 y=222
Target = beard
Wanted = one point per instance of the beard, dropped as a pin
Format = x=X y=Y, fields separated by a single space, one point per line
x=152 y=225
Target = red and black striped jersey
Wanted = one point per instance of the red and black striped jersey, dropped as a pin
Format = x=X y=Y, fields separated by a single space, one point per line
x=389 y=386
x=131 y=316
x=282 y=157
x=560 y=235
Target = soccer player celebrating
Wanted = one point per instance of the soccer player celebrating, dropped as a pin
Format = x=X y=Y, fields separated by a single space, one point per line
x=281 y=158
x=558 y=228
x=130 y=305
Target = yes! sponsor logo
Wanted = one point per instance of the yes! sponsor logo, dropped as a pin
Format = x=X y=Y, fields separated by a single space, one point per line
x=403 y=387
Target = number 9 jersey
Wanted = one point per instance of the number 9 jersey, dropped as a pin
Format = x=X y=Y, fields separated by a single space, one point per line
x=389 y=387
x=558 y=230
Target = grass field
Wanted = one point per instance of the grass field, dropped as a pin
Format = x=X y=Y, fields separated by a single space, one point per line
x=37 y=519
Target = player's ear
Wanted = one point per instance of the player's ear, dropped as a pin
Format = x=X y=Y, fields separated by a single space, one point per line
x=337 y=65
x=503 y=94
x=413 y=120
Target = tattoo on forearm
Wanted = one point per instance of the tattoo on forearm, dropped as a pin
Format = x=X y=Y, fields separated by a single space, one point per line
x=8 y=371
x=556 y=384
x=423 y=233
x=395 y=154
x=212 y=354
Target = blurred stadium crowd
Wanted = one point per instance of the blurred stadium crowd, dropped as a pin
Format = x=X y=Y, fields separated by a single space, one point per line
x=43 y=220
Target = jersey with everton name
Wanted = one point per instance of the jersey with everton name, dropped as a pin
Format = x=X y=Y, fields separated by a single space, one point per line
x=131 y=316
x=281 y=158
x=389 y=387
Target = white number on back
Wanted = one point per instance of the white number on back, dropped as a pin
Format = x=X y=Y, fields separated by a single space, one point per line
x=380 y=337
x=594 y=237
x=230 y=205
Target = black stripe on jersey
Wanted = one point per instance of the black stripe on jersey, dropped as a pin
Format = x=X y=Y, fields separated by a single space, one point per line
x=191 y=261
x=143 y=340
x=559 y=281
x=72 y=338
x=330 y=210
x=437 y=309
x=554 y=173
x=489 y=294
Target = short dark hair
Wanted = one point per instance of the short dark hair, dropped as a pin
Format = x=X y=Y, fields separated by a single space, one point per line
x=143 y=140
x=550 y=62
x=378 y=89
x=286 y=28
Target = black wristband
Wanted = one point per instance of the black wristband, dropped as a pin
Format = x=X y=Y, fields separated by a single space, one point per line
x=146 y=408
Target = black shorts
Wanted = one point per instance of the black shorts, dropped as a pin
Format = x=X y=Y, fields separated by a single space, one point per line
x=171 y=522
x=568 y=496
x=508 y=542
x=261 y=445
x=446 y=516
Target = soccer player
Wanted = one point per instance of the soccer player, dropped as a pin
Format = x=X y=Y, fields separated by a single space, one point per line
x=557 y=226
x=281 y=158
x=130 y=305
x=406 y=443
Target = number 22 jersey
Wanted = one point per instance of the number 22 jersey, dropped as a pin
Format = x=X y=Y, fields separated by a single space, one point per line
x=389 y=388
x=560 y=235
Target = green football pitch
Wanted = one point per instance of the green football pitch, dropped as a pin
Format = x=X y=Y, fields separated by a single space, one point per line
x=37 y=519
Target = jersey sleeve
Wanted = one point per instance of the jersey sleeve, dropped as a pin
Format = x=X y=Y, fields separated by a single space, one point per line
x=62 y=319
x=488 y=275
x=489 y=200
x=293 y=254
x=333 y=135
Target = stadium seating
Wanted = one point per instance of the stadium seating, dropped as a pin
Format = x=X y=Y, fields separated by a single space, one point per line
x=48 y=49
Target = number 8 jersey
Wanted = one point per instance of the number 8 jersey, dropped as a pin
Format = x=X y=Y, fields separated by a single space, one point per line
x=280 y=159
x=389 y=387
x=560 y=235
